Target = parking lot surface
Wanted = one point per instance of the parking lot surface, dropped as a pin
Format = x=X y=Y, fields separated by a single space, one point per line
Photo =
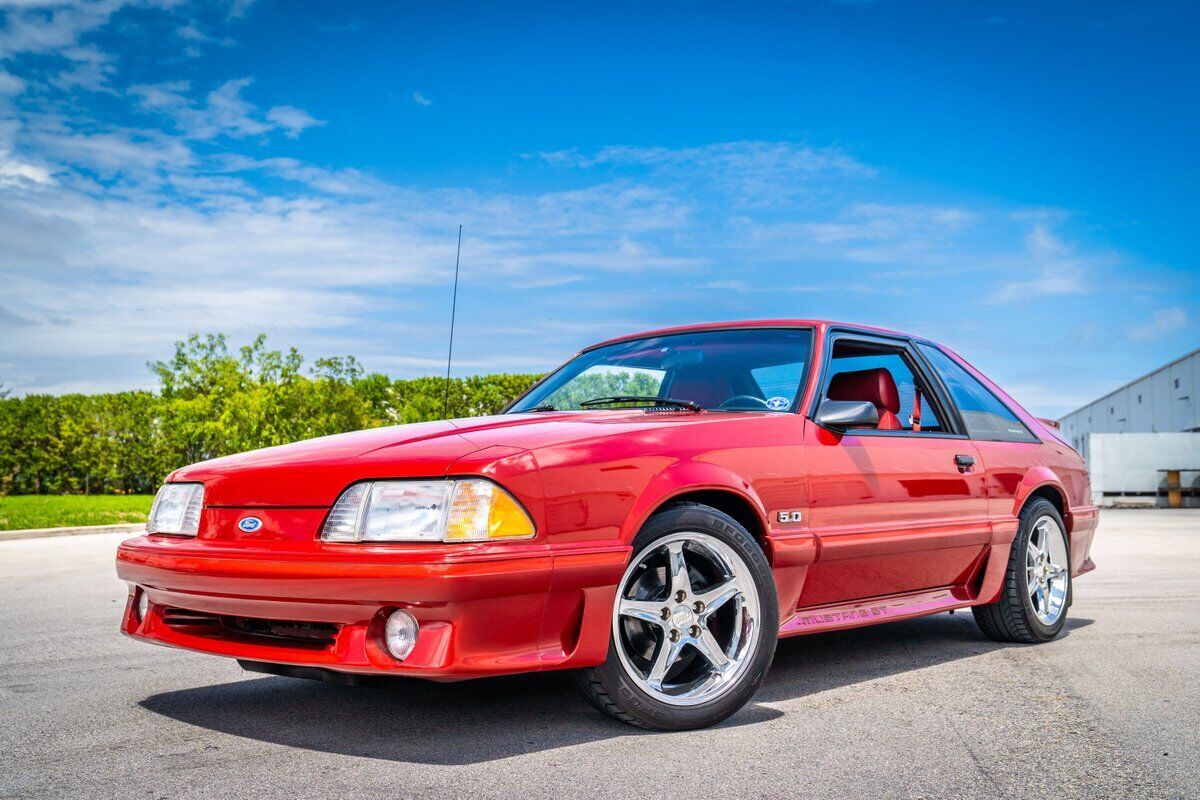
x=919 y=709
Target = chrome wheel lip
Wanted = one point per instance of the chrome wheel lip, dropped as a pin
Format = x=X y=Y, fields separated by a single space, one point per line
x=1047 y=570
x=735 y=654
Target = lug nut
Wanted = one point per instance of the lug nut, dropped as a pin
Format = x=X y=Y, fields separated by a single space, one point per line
x=680 y=596
x=673 y=635
x=698 y=607
x=694 y=631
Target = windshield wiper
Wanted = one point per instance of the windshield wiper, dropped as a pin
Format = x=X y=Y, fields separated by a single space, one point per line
x=639 y=398
x=542 y=407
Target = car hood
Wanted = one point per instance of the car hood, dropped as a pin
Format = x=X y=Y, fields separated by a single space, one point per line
x=314 y=472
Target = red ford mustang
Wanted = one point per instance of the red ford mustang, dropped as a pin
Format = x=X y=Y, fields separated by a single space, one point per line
x=652 y=514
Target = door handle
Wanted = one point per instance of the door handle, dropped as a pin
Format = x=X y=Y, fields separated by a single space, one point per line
x=964 y=463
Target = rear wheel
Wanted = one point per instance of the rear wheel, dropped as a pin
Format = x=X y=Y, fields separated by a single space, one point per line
x=694 y=624
x=1037 y=584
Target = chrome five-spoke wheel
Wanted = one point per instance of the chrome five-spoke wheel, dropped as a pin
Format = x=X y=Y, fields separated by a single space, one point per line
x=695 y=619
x=686 y=619
x=1046 y=567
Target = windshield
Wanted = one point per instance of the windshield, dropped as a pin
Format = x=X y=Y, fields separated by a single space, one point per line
x=748 y=369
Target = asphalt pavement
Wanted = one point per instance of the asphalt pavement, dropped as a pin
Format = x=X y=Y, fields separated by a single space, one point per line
x=920 y=709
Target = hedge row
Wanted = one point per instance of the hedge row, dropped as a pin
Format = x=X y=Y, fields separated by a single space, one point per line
x=212 y=402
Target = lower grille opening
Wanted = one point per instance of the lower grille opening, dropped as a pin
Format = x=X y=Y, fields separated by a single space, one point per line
x=296 y=633
x=317 y=634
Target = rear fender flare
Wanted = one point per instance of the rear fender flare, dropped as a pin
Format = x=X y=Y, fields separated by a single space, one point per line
x=992 y=581
x=1038 y=478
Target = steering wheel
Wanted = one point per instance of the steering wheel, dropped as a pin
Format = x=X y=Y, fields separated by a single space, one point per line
x=744 y=400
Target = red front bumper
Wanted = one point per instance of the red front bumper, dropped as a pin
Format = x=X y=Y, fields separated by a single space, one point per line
x=482 y=609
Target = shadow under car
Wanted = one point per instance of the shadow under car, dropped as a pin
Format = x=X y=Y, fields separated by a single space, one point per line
x=418 y=721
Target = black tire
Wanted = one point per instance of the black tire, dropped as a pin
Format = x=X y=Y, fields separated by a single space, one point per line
x=611 y=689
x=1012 y=617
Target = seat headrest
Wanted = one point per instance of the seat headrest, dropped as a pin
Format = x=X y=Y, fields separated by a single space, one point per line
x=874 y=386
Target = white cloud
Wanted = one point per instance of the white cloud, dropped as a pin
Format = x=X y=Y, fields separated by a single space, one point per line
x=1163 y=322
x=196 y=36
x=50 y=27
x=90 y=69
x=1057 y=270
x=238 y=8
x=170 y=96
x=56 y=28
x=130 y=154
x=293 y=120
x=120 y=237
x=10 y=84
x=108 y=273
x=224 y=113
x=331 y=249
x=14 y=172
x=920 y=237
x=751 y=174
x=754 y=157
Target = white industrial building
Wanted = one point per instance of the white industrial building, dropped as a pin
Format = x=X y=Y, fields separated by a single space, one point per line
x=1143 y=440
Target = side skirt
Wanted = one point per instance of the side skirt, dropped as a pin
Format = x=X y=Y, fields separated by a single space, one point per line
x=872 y=611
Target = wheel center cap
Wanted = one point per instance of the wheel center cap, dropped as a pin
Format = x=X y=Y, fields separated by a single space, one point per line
x=682 y=616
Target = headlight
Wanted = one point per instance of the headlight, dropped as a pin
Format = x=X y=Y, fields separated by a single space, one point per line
x=463 y=510
x=176 y=509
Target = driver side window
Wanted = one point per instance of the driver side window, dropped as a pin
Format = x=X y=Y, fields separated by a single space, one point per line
x=883 y=376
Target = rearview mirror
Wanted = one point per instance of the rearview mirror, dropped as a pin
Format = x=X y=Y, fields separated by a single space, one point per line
x=840 y=415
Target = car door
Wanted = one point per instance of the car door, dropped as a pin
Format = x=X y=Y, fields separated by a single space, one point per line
x=896 y=507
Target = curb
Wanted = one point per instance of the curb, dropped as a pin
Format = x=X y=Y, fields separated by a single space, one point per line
x=40 y=533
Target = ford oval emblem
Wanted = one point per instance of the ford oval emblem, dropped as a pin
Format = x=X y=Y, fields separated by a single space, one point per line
x=249 y=524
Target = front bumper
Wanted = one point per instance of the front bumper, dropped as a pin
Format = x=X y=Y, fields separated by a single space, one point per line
x=482 y=609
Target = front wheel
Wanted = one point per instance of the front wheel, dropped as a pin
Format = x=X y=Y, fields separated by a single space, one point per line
x=694 y=624
x=1037 y=584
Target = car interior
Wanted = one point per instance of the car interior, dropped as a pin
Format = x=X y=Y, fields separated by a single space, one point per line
x=751 y=370
x=884 y=377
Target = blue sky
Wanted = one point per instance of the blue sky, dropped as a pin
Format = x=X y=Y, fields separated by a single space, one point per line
x=1017 y=180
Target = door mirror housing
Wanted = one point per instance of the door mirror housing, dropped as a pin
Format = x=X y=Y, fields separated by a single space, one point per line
x=840 y=415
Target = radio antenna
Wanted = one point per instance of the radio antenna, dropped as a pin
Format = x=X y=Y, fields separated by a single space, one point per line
x=453 y=309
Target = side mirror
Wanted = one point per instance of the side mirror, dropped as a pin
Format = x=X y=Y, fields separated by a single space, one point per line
x=840 y=415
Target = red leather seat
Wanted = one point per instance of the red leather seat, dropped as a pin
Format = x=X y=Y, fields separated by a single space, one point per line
x=874 y=386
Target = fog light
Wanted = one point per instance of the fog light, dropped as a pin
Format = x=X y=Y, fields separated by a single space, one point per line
x=143 y=604
x=400 y=634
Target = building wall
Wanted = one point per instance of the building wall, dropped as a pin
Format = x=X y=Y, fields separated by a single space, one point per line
x=1129 y=463
x=1164 y=401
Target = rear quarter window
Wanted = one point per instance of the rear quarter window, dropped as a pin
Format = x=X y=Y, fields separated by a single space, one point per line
x=985 y=416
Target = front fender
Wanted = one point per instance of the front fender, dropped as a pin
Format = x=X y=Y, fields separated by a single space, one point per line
x=789 y=552
x=683 y=478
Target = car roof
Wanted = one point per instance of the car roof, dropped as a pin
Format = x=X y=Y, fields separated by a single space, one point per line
x=752 y=323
